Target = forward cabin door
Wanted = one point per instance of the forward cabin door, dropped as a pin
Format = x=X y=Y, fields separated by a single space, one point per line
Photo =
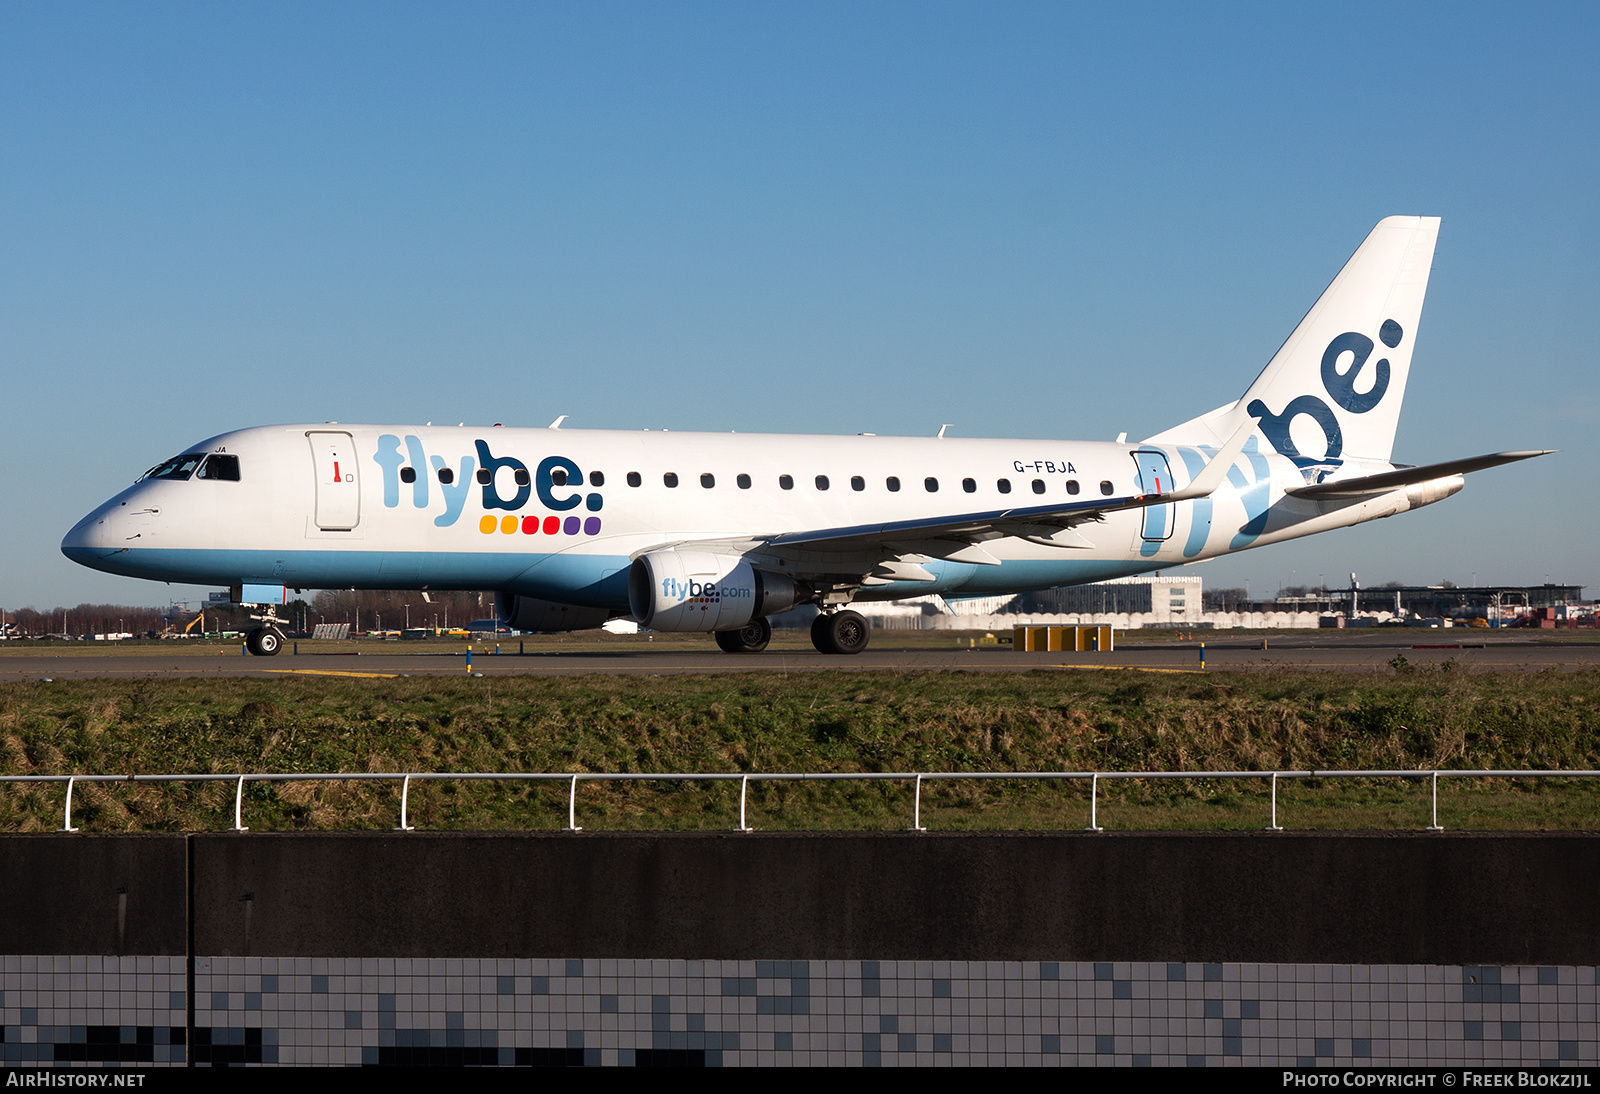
x=338 y=485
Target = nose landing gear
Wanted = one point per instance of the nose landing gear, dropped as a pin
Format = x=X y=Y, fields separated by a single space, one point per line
x=264 y=641
x=267 y=639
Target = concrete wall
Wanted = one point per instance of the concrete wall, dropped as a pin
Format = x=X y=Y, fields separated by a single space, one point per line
x=1453 y=898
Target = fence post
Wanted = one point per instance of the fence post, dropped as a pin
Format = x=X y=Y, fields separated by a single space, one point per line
x=916 y=809
x=743 y=782
x=572 y=807
x=1094 y=786
x=66 y=818
x=405 y=794
x=1274 y=827
x=238 y=807
x=1435 y=826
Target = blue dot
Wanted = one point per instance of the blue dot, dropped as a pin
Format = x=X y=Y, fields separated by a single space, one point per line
x=1391 y=333
x=591 y=527
x=573 y=524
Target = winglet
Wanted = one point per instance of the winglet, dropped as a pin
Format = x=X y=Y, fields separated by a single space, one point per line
x=1212 y=474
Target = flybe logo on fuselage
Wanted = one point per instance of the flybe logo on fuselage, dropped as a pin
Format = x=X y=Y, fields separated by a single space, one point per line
x=1340 y=384
x=504 y=483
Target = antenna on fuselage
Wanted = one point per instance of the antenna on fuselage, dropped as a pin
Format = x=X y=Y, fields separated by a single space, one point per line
x=557 y=423
x=942 y=428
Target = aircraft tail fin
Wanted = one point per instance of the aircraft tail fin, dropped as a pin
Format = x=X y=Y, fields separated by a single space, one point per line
x=1333 y=390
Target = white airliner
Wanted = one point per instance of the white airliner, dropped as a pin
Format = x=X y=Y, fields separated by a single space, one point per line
x=716 y=532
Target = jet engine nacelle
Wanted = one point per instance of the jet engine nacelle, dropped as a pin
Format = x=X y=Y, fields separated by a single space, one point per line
x=527 y=613
x=701 y=591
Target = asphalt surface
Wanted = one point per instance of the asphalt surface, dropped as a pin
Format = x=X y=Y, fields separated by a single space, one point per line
x=1374 y=652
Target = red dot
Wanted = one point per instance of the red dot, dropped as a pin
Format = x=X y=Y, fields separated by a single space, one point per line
x=552 y=525
x=530 y=525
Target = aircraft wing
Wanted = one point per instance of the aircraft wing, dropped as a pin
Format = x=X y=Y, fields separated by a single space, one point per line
x=944 y=536
x=988 y=524
x=1406 y=476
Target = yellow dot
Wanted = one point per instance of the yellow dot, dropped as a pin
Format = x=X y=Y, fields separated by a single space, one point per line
x=487 y=525
x=508 y=525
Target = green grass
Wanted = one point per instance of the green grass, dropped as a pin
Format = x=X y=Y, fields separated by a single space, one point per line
x=814 y=722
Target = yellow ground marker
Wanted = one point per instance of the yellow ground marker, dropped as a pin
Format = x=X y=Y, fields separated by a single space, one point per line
x=335 y=672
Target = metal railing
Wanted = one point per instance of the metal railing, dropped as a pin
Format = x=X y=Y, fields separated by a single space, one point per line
x=915 y=778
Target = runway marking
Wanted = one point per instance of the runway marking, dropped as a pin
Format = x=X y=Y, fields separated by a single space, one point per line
x=335 y=672
x=1129 y=668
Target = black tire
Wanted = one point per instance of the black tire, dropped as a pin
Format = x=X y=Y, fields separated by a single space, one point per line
x=750 y=638
x=843 y=632
x=252 y=641
x=819 y=635
x=849 y=632
x=268 y=642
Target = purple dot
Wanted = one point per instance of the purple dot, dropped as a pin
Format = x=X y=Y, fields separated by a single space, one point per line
x=572 y=526
x=591 y=527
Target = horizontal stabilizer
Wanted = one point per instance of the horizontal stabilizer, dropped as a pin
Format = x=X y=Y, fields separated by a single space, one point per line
x=1405 y=476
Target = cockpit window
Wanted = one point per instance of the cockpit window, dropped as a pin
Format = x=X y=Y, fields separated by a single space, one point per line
x=220 y=468
x=179 y=467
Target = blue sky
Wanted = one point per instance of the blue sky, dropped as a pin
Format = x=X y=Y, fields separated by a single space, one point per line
x=1029 y=220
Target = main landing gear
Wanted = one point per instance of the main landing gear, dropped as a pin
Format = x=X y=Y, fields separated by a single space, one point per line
x=750 y=638
x=840 y=632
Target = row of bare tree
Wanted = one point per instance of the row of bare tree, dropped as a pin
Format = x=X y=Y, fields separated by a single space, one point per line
x=363 y=610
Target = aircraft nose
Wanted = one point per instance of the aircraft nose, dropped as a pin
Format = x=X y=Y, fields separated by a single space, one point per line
x=92 y=538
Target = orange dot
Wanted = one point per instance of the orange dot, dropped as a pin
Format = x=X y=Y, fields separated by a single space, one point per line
x=487 y=525
x=508 y=525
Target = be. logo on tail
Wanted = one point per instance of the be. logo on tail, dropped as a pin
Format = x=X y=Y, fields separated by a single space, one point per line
x=1340 y=384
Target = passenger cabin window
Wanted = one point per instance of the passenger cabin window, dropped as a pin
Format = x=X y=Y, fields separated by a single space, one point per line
x=219 y=468
x=596 y=479
x=671 y=479
x=786 y=482
x=857 y=482
x=179 y=467
x=408 y=474
x=743 y=481
x=446 y=476
x=521 y=476
x=1038 y=486
x=1003 y=485
x=1072 y=486
x=969 y=485
x=634 y=479
x=485 y=476
x=1105 y=487
x=558 y=477
x=822 y=482
x=931 y=485
x=892 y=483
x=708 y=480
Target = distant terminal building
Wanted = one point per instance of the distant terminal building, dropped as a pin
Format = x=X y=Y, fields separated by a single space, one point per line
x=1175 y=602
x=1126 y=603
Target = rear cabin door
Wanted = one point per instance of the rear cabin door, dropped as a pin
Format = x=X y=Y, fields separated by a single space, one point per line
x=1155 y=477
x=338 y=484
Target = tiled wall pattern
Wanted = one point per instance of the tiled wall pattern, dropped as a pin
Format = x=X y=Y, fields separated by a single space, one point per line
x=96 y=1010
x=610 y=1012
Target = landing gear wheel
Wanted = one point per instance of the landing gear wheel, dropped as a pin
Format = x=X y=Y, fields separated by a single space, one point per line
x=840 y=632
x=750 y=638
x=819 y=634
x=263 y=641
